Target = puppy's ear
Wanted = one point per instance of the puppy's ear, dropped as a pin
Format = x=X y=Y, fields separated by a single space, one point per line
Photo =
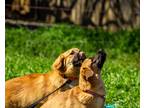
x=88 y=73
x=58 y=64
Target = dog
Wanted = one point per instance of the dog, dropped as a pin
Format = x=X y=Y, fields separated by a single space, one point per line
x=23 y=91
x=89 y=93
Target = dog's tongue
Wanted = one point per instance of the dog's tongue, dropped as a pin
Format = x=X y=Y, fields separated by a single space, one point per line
x=100 y=58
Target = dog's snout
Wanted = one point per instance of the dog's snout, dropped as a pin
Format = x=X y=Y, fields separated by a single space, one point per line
x=79 y=58
x=100 y=58
x=101 y=52
x=82 y=56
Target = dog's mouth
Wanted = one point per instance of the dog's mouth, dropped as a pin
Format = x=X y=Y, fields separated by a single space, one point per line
x=100 y=58
x=78 y=63
x=81 y=57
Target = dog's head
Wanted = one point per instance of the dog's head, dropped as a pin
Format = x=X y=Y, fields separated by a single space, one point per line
x=90 y=70
x=69 y=62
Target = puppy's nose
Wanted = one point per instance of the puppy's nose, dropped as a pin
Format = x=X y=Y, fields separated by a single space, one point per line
x=102 y=53
x=82 y=56
x=101 y=58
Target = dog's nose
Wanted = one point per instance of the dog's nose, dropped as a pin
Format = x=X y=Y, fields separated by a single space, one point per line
x=102 y=53
x=82 y=56
x=101 y=57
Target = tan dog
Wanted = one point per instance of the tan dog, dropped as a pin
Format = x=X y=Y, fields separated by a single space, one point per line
x=90 y=92
x=23 y=91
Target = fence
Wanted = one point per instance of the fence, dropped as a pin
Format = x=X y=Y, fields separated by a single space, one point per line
x=108 y=14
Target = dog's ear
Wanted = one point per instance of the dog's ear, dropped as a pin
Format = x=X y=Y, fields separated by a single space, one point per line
x=88 y=73
x=58 y=64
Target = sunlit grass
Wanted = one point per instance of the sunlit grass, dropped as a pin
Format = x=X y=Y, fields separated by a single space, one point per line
x=33 y=51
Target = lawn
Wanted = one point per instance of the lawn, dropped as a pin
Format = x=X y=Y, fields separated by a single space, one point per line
x=34 y=50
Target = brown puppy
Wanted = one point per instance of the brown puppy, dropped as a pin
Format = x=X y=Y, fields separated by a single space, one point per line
x=23 y=91
x=90 y=92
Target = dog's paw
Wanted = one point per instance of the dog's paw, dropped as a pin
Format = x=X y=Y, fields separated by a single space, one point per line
x=85 y=98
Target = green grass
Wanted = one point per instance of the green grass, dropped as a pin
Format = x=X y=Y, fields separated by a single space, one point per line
x=31 y=51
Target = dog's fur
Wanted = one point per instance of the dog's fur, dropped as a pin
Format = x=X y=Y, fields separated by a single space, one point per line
x=77 y=97
x=23 y=91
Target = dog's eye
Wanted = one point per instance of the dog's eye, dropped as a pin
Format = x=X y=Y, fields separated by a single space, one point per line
x=72 y=53
x=84 y=68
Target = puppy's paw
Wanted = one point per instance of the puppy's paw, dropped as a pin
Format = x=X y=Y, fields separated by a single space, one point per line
x=85 y=98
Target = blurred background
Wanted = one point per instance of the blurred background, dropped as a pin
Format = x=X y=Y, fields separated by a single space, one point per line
x=108 y=14
x=38 y=31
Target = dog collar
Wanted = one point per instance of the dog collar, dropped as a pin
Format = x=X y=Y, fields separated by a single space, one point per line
x=95 y=94
x=73 y=78
x=70 y=78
